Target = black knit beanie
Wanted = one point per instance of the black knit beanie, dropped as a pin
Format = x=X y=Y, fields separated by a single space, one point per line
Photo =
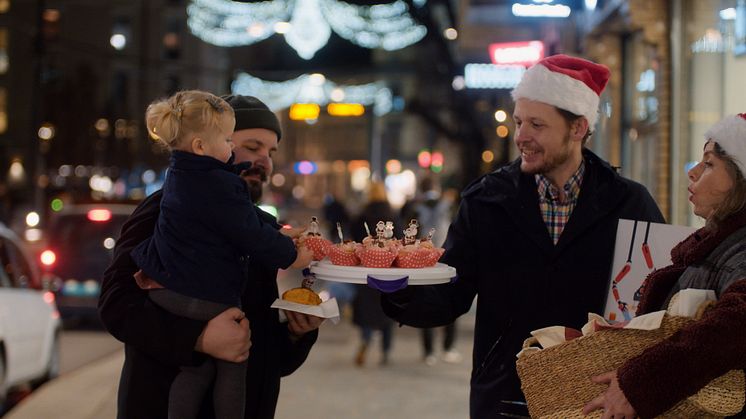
x=253 y=113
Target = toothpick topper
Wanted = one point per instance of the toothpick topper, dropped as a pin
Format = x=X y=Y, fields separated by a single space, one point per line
x=313 y=227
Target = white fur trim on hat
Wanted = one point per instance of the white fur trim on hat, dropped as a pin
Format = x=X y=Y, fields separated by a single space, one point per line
x=730 y=134
x=560 y=90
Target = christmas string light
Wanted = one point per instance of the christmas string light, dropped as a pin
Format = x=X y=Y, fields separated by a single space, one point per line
x=309 y=88
x=305 y=24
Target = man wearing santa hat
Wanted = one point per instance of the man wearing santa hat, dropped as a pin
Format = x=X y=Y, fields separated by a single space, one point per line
x=534 y=239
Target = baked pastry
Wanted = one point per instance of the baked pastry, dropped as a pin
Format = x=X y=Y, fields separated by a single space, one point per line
x=302 y=295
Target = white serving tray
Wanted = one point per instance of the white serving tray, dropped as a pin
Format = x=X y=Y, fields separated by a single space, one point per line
x=438 y=274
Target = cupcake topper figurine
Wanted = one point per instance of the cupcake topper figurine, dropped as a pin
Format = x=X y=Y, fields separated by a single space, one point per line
x=308 y=279
x=380 y=230
x=410 y=234
x=388 y=230
x=339 y=233
x=430 y=234
x=313 y=227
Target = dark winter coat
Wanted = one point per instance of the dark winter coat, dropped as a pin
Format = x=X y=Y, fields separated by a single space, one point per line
x=502 y=251
x=681 y=365
x=158 y=343
x=207 y=231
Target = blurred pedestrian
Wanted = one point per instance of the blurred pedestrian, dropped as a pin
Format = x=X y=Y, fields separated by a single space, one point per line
x=712 y=258
x=366 y=308
x=535 y=239
x=433 y=210
x=158 y=344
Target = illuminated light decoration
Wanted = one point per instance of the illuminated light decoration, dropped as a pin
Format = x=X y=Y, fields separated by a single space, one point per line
x=436 y=164
x=728 y=14
x=540 y=10
x=492 y=76
x=310 y=88
x=488 y=156
x=354 y=165
x=46 y=131
x=305 y=167
x=47 y=258
x=305 y=35
x=502 y=131
x=304 y=111
x=56 y=205
x=500 y=115
x=99 y=215
x=393 y=166
x=32 y=219
x=345 y=109
x=525 y=53
x=450 y=34
x=118 y=41
x=591 y=4
x=424 y=159
x=232 y=23
x=32 y=235
x=458 y=83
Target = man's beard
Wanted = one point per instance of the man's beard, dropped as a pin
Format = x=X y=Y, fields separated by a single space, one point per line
x=555 y=161
x=255 y=188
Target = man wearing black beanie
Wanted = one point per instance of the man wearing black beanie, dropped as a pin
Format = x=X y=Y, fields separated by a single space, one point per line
x=158 y=344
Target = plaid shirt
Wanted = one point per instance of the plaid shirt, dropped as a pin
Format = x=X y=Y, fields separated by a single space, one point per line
x=557 y=213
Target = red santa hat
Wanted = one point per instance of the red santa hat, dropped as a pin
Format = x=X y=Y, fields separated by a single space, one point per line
x=569 y=83
x=730 y=134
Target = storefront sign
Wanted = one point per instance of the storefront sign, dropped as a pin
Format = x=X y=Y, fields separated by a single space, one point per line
x=492 y=76
x=525 y=53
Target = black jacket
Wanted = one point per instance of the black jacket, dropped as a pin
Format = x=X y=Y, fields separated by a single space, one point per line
x=157 y=343
x=502 y=251
x=206 y=231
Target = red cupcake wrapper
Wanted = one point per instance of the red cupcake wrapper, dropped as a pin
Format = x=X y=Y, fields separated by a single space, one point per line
x=420 y=258
x=376 y=258
x=342 y=257
x=318 y=245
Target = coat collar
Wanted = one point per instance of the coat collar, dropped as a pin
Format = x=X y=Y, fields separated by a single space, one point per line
x=601 y=192
x=183 y=160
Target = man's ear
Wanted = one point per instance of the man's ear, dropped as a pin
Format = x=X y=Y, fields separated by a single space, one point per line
x=198 y=146
x=579 y=128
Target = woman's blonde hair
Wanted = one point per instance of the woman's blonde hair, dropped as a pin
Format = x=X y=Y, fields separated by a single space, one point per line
x=735 y=200
x=186 y=113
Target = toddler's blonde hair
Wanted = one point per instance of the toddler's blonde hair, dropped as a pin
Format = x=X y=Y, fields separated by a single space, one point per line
x=173 y=120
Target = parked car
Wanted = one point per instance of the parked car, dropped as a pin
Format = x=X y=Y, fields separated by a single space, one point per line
x=80 y=246
x=29 y=320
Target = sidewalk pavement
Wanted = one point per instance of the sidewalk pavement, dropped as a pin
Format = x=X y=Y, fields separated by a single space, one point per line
x=328 y=385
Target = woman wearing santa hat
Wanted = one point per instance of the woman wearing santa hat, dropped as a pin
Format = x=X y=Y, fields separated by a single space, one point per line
x=712 y=258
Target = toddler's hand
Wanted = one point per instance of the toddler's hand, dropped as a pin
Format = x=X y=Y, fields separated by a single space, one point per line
x=293 y=232
x=304 y=258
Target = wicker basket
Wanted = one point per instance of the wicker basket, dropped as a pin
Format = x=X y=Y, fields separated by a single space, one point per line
x=556 y=381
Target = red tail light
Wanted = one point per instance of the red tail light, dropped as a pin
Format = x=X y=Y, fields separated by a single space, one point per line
x=49 y=297
x=47 y=258
x=99 y=215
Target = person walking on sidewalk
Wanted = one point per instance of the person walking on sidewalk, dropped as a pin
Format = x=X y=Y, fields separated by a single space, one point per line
x=535 y=239
x=158 y=343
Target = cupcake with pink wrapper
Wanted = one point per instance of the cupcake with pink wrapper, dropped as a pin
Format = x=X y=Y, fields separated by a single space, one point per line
x=378 y=252
x=344 y=252
x=418 y=253
x=313 y=240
